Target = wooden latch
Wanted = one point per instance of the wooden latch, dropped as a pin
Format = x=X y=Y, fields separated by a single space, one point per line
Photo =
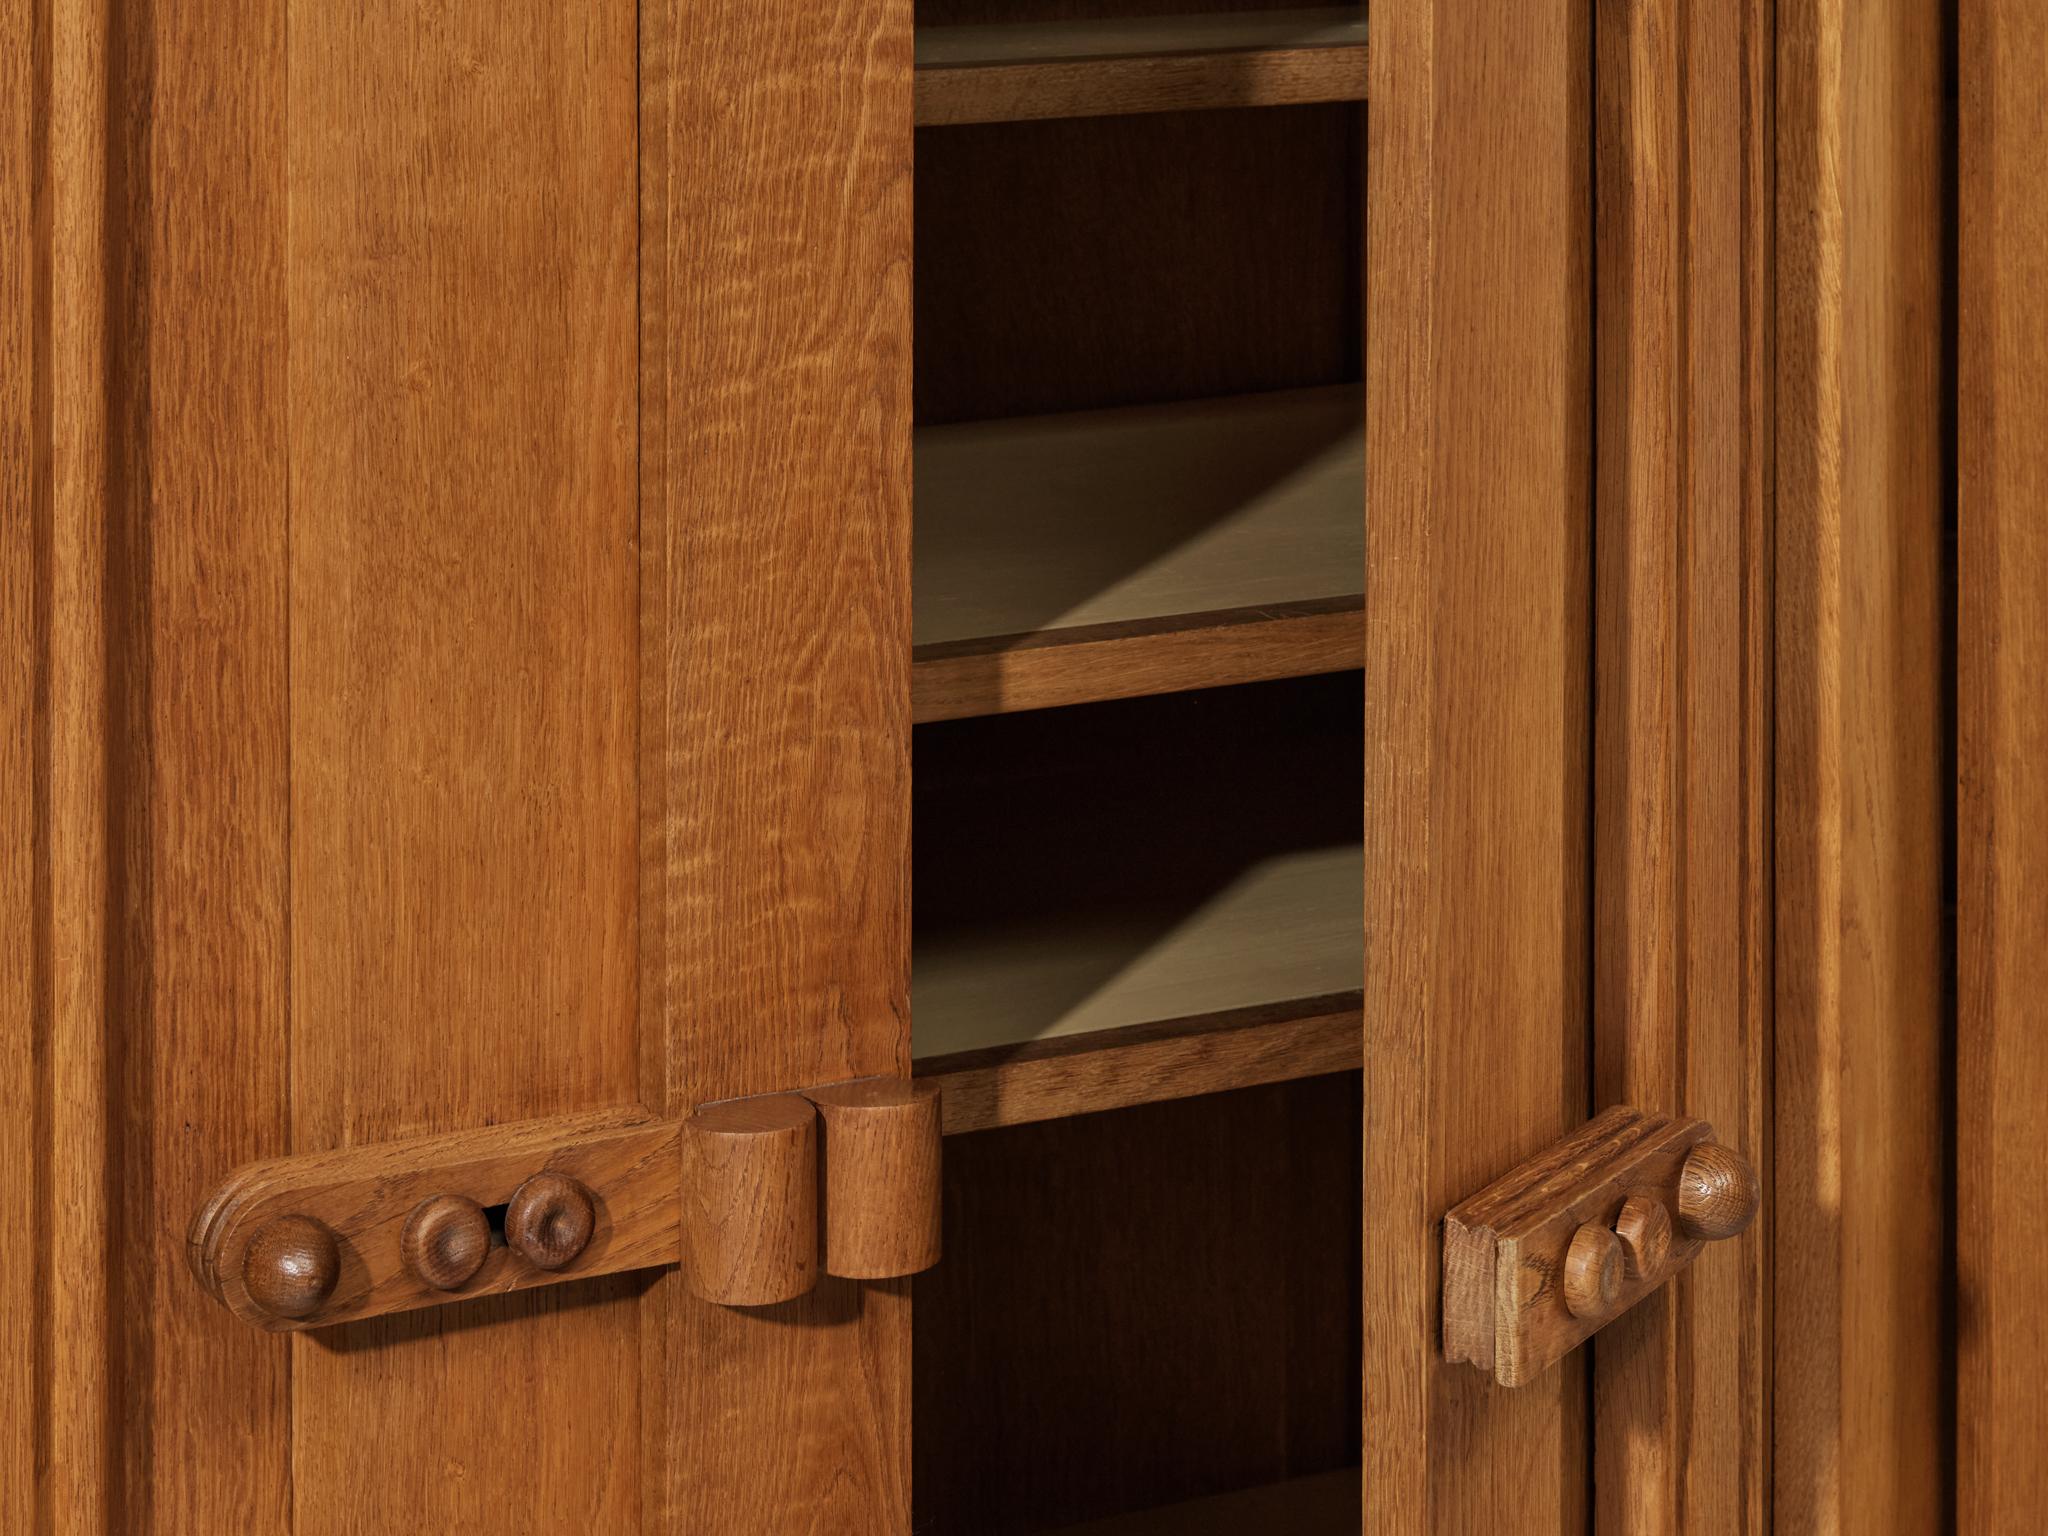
x=1575 y=1236
x=754 y=1197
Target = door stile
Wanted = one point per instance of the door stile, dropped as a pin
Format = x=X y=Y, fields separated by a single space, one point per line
x=1682 y=812
x=775 y=699
x=2002 y=783
x=1858 y=1187
x=1478 y=666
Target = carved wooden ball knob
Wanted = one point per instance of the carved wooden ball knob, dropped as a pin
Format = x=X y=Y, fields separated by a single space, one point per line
x=1592 y=1272
x=446 y=1240
x=1644 y=1227
x=290 y=1266
x=1717 y=1192
x=550 y=1219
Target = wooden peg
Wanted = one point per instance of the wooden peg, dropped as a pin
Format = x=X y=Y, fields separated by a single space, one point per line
x=549 y=1220
x=1592 y=1272
x=1644 y=1227
x=445 y=1241
x=1717 y=1192
x=291 y=1266
x=881 y=1177
x=750 y=1200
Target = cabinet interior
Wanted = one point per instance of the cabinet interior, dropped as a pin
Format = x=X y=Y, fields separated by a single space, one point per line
x=1138 y=879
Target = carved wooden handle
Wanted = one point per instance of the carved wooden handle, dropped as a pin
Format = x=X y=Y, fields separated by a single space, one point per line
x=1544 y=1255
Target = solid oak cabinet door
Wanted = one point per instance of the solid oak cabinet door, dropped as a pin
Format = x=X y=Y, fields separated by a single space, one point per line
x=461 y=688
x=468 y=601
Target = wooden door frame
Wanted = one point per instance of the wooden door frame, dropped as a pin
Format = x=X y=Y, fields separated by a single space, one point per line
x=1769 y=840
x=1763 y=914
x=2002 y=797
x=1478 y=651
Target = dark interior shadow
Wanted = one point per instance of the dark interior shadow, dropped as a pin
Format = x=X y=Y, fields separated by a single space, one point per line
x=1129 y=816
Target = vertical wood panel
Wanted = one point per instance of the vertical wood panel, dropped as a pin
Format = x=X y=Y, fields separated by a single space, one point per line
x=200 y=773
x=1477 y=729
x=22 y=371
x=1683 y=734
x=2002 y=803
x=74 y=1189
x=1858 y=1177
x=463 y=666
x=776 y=652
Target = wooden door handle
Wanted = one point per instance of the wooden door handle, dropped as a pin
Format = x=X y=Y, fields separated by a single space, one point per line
x=1542 y=1257
x=756 y=1198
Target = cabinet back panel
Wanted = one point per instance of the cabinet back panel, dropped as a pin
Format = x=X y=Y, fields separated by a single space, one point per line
x=1141 y=1307
x=1089 y=262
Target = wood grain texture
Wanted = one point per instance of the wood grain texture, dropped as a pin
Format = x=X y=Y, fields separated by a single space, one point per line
x=1177 y=1285
x=367 y=1196
x=1146 y=1063
x=1104 y=554
x=1477 y=655
x=1002 y=72
x=23 y=513
x=445 y=1241
x=2002 y=773
x=1136 y=658
x=775 y=747
x=154 y=527
x=1683 y=736
x=72 y=941
x=1525 y=1259
x=749 y=1200
x=1858 y=1203
x=879 y=1169
x=462 y=280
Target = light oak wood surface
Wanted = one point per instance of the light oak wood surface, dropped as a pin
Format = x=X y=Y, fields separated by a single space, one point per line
x=2002 y=776
x=462 y=281
x=1478 y=671
x=1100 y=554
x=1683 y=735
x=748 y=1199
x=1146 y=1063
x=20 y=652
x=1858 y=1192
x=997 y=72
x=774 y=940
x=1286 y=928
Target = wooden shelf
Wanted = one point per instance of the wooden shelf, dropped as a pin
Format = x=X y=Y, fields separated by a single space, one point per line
x=1147 y=1063
x=1108 y=554
x=1102 y=68
x=1324 y=1505
x=1093 y=1007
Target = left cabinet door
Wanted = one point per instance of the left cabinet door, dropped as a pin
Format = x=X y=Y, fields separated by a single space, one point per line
x=455 y=591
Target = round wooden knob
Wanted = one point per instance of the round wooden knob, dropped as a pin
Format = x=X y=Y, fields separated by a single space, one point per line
x=290 y=1266
x=1717 y=1192
x=445 y=1242
x=1592 y=1272
x=549 y=1220
x=1644 y=1227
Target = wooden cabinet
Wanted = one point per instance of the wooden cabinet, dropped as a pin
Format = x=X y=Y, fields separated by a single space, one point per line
x=826 y=769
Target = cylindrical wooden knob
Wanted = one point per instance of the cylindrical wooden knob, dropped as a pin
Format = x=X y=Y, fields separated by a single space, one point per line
x=881 y=1140
x=1644 y=1227
x=290 y=1266
x=750 y=1200
x=549 y=1220
x=1717 y=1192
x=1592 y=1272
x=445 y=1241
